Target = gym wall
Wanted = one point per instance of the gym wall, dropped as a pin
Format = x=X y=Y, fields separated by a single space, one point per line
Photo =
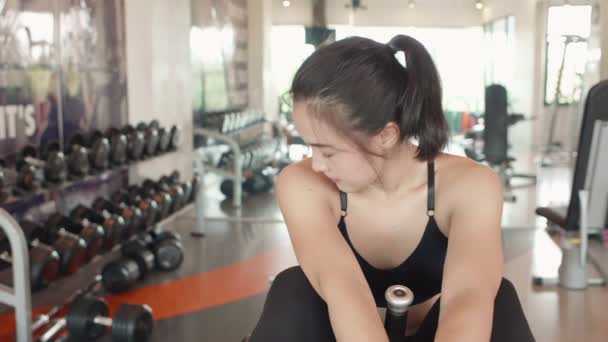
x=159 y=77
x=63 y=72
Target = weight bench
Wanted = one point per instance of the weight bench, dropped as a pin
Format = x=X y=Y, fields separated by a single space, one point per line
x=587 y=211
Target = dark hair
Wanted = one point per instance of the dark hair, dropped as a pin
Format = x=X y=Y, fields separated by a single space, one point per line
x=358 y=84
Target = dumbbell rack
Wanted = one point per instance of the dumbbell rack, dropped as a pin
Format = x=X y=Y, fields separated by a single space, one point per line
x=234 y=140
x=19 y=296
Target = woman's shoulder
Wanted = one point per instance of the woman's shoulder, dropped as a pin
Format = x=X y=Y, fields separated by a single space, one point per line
x=460 y=176
x=300 y=179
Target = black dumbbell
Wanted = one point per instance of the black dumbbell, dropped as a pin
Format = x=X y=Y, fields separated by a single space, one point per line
x=174 y=179
x=258 y=183
x=174 y=190
x=72 y=249
x=50 y=159
x=134 y=218
x=196 y=180
x=43 y=260
x=113 y=225
x=398 y=300
x=148 y=206
x=77 y=157
x=164 y=136
x=176 y=137
x=136 y=142
x=120 y=275
x=88 y=319
x=166 y=246
x=97 y=146
x=92 y=234
x=163 y=199
x=151 y=138
x=118 y=146
x=27 y=178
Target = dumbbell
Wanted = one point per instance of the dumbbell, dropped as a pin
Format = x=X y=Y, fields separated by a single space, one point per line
x=164 y=136
x=151 y=138
x=133 y=216
x=113 y=225
x=77 y=157
x=43 y=260
x=120 y=275
x=149 y=207
x=118 y=146
x=88 y=318
x=175 y=191
x=72 y=249
x=166 y=246
x=196 y=180
x=50 y=159
x=174 y=179
x=398 y=300
x=27 y=178
x=92 y=234
x=136 y=142
x=176 y=137
x=97 y=147
x=163 y=199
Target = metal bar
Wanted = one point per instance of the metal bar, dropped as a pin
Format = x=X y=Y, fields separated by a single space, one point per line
x=22 y=300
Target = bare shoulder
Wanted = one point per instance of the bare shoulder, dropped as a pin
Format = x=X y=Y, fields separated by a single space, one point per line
x=299 y=181
x=462 y=178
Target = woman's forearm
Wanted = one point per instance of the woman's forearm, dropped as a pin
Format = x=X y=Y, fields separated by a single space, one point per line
x=352 y=311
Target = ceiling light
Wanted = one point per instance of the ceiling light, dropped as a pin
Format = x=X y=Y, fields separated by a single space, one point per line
x=411 y=4
x=286 y=3
x=479 y=5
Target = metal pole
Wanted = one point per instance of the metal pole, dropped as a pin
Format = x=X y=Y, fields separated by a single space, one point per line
x=22 y=300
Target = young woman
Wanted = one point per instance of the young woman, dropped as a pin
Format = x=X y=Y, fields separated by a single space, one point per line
x=406 y=213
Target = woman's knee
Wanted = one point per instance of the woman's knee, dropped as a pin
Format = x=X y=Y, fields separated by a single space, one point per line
x=293 y=311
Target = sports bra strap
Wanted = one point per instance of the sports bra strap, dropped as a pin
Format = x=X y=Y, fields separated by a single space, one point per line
x=343 y=203
x=430 y=201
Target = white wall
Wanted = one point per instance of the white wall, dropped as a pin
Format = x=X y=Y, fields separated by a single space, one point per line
x=261 y=90
x=604 y=37
x=428 y=13
x=158 y=72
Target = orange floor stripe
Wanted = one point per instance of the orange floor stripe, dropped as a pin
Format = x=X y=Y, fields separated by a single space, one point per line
x=199 y=292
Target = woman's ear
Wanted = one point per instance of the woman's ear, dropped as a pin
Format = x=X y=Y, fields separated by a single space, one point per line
x=388 y=137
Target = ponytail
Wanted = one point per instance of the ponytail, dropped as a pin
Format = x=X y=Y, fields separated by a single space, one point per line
x=419 y=110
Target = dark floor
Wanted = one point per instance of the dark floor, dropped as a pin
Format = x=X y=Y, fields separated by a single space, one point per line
x=218 y=293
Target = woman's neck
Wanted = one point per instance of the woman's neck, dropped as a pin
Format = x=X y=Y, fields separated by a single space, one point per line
x=398 y=173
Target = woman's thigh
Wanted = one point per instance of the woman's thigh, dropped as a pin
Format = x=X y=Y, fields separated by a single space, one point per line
x=293 y=311
x=509 y=323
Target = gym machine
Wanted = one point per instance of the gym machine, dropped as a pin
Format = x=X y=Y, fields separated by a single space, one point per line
x=587 y=211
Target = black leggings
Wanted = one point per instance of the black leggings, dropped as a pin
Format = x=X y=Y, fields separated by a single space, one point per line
x=295 y=312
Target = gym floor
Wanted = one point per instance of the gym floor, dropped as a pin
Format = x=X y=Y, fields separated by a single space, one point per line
x=218 y=293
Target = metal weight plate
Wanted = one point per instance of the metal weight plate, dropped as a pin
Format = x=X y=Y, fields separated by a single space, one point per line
x=132 y=323
x=80 y=318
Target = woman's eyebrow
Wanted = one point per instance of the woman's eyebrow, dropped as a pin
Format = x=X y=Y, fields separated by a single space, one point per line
x=320 y=145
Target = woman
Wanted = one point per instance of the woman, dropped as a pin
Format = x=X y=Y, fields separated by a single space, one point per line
x=406 y=212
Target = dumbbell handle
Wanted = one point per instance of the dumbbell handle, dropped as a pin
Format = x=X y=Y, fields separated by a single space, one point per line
x=35 y=161
x=101 y=320
x=53 y=330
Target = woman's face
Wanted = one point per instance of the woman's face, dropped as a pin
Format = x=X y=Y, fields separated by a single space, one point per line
x=334 y=155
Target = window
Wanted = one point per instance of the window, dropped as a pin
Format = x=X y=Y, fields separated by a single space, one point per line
x=568 y=28
x=499 y=44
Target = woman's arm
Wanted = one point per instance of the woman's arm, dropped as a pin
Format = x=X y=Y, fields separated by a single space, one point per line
x=324 y=255
x=474 y=263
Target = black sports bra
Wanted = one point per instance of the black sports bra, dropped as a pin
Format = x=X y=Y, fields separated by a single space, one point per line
x=422 y=271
